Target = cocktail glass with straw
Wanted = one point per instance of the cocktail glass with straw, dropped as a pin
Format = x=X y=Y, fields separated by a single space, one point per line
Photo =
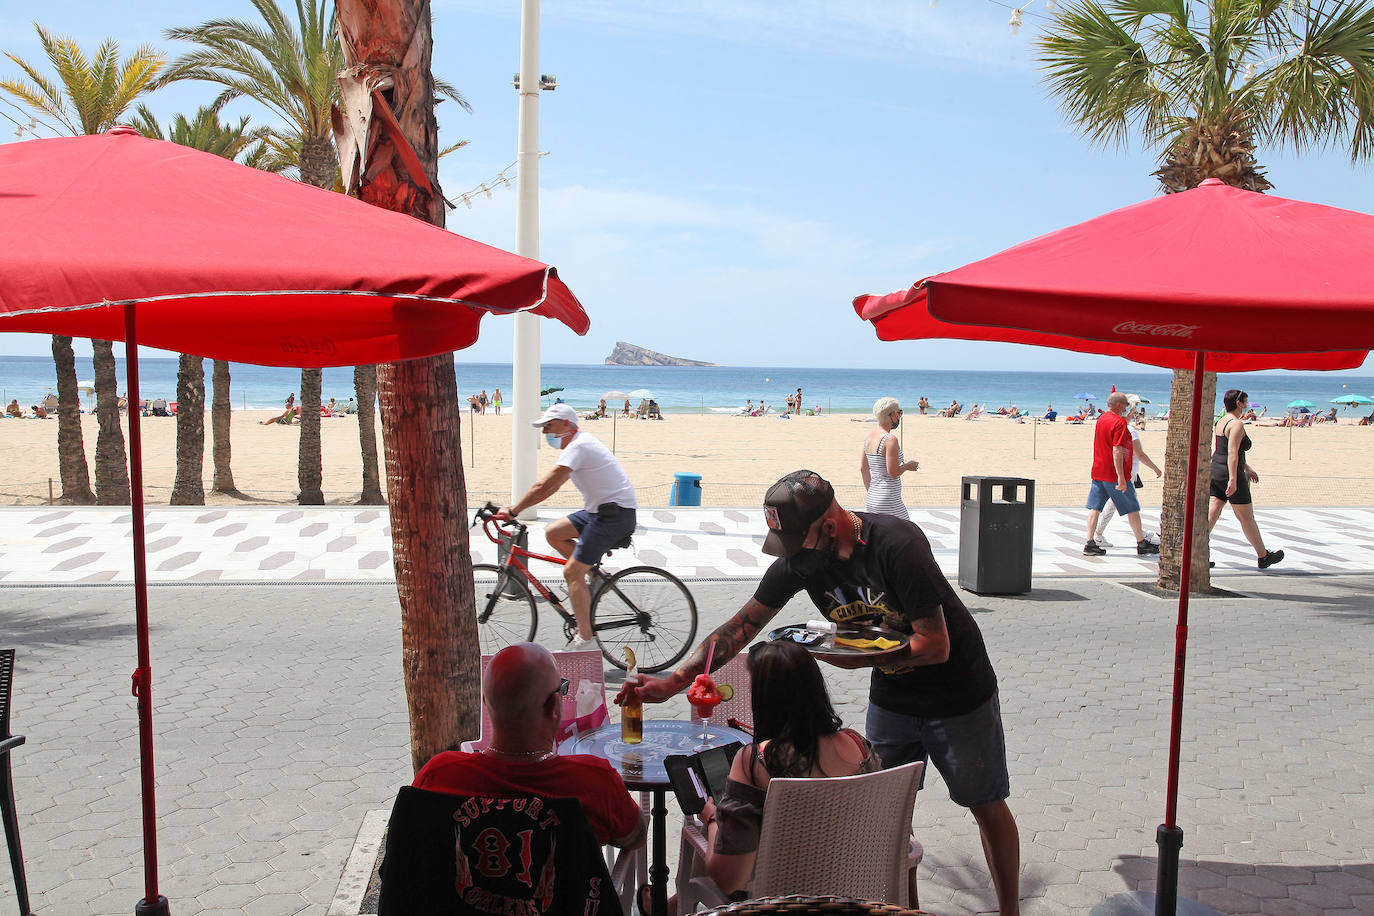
x=704 y=697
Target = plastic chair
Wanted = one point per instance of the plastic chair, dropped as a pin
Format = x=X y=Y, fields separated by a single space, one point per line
x=9 y=742
x=799 y=905
x=846 y=835
x=739 y=707
x=578 y=666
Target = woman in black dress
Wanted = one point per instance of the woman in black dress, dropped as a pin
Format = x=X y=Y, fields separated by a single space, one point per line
x=1231 y=476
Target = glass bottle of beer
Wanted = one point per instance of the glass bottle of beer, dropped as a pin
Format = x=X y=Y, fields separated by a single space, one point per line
x=632 y=711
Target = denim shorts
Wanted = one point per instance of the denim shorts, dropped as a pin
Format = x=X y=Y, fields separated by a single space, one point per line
x=598 y=532
x=970 y=751
x=1103 y=490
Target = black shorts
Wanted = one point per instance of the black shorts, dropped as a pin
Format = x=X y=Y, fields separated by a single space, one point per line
x=1239 y=498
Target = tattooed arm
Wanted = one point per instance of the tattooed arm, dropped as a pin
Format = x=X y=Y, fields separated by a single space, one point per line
x=729 y=638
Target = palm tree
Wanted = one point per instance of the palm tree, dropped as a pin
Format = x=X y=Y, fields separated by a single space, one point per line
x=207 y=133
x=428 y=492
x=290 y=68
x=1204 y=82
x=88 y=96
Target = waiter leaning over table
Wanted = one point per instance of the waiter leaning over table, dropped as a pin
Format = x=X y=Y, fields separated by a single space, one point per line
x=938 y=702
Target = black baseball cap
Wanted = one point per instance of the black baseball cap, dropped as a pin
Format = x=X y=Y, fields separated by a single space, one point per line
x=791 y=507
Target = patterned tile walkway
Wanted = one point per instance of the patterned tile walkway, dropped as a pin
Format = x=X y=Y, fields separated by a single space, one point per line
x=65 y=545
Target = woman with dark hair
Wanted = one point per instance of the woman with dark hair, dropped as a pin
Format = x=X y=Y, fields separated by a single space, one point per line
x=1231 y=476
x=797 y=733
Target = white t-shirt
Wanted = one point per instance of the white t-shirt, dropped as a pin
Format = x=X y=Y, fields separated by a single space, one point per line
x=596 y=473
x=1135 y=456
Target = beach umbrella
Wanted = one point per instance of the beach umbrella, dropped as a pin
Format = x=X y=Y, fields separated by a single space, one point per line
x=641 y=393
x=1215 y=277
x=545 y=392
x=1084 y=396
x=118 y=237
x=1352 y=400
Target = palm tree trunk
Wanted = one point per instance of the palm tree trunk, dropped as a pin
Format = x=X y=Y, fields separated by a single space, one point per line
x=71 y=448
x=111 y=471
x=188 y=489
x=365 y=388
x=310 y=464
x=390 y=42
x=1175 y=487
x=221 y=411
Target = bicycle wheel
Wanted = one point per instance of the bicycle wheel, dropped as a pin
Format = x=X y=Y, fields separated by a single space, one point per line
x=505 y=608
x=647 y=609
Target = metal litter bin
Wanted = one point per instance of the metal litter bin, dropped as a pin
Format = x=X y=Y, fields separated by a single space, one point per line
x=996 y=535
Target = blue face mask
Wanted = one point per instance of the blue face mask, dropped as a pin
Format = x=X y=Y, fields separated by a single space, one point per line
x=554 y=440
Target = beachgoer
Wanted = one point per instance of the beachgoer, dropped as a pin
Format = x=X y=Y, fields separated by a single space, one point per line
x=607 y=517
x=654 y=412
x=1232 y=476
x=523 y=693
x=496 y=400
x=1050 y=413
x=39 y=413
x=351 y=407
x=938 y=701
x=474 y=403
x=14 y=410
x=329 y=409
x=626 y=412
x=159 y=408
x=749 y=408
x=798 y=401
x=923 y=405
x=796 y=734
x=286 y=415
x=1138 y=457
x=482 y=399
x=1111 y=448
x=881 y=462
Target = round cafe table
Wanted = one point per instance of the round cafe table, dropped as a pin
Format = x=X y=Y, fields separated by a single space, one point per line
x=641 y=766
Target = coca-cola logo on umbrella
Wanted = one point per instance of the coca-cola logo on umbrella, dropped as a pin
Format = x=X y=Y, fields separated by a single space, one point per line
x=1156 y=330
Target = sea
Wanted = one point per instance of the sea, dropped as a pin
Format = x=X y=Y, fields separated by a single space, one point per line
x=722 y=389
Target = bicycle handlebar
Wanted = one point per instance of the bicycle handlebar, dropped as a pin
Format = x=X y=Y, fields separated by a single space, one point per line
x=487 y=516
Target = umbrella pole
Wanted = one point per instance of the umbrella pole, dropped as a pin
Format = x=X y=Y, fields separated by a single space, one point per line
x=153 y=903
x=1169 y=837
x=613 y=419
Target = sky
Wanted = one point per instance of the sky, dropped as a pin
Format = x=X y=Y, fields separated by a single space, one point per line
x=724 y=176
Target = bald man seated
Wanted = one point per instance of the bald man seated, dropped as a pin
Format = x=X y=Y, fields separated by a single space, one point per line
x=523 y=693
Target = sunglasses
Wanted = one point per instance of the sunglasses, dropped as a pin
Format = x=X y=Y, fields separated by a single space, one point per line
x=563 y=685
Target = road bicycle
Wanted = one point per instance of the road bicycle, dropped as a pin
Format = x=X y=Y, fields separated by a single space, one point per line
x=643 y=607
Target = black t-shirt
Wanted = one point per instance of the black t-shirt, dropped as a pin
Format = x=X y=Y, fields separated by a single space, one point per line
x=890 y=580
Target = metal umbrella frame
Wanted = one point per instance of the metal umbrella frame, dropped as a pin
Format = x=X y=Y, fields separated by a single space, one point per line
x=619 y=397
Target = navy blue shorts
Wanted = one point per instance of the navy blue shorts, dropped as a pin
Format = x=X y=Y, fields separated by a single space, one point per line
x=598 y=532
x=970 y=751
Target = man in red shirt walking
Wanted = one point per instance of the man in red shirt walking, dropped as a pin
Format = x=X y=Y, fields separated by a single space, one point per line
x=1112 y=452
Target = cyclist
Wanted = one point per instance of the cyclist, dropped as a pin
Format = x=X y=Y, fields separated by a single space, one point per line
x=608 y=516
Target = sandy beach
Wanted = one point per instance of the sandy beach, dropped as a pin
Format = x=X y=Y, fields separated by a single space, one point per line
x=737 y=458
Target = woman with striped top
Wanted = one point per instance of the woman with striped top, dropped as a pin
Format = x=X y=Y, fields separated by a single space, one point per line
x=883 y=462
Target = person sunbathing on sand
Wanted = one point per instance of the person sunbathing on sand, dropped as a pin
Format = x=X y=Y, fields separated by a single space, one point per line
x=14 y=410
x=285 y=416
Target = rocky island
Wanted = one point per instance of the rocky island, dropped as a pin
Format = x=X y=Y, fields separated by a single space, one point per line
x=626 y=354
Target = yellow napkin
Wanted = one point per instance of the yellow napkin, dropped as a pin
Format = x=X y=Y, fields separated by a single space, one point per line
x=881 y=642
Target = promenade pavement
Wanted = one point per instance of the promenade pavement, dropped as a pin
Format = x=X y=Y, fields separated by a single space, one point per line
x=282 y=727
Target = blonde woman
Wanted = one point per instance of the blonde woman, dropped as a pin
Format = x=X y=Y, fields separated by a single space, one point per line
x=882 y=463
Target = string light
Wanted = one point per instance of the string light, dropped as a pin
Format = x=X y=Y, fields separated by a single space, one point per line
x=486 y=187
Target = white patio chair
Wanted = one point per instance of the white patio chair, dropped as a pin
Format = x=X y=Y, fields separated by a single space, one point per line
x=847 y=835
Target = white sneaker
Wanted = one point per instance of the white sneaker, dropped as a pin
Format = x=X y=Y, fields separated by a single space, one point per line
x=578 y=644
x=1102 y=542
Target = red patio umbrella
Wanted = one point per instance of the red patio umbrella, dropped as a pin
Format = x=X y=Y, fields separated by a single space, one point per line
x=1215 y=277
x=118 y=237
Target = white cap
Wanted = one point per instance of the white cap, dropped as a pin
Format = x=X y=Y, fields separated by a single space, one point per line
x=556 y=412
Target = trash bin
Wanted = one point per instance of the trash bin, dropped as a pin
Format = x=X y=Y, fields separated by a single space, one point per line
x=686 y=490
x=996 y=533
x=522 y=540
